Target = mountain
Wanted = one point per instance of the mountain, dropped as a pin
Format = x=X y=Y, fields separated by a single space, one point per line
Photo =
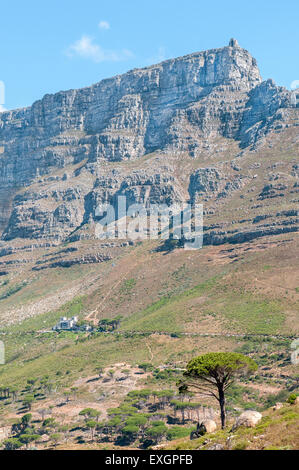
x=202 y=128
x=199 y=128
x=130 y=134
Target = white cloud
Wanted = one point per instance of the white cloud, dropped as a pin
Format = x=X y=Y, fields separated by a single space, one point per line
x=86 y=48
x=104 y=25
x=2 y=109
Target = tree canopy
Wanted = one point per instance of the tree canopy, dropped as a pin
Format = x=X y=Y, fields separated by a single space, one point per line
x=213 y=373
x=220 y=364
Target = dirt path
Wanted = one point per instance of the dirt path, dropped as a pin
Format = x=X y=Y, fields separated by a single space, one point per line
x=270 y=285
x=150 y=351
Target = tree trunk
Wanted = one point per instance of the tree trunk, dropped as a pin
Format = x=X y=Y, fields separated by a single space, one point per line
x=222 y=405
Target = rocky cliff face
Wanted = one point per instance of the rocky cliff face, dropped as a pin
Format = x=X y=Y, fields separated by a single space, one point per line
x=129 y=135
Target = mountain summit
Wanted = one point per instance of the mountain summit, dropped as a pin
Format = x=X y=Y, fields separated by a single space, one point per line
x=60 y=157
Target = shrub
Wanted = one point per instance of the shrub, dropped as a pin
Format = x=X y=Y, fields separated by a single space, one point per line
x=273 y=399
x=130 y=430
x=146 y=366
x=28 y=438
x=136 y=421
x=90 y=413
x=157 y=430
x=55 y=438
x=242 y=445
x=292 y=398
x=12 y=444
x=28 y=400
x=177 y=432
x=49 y=423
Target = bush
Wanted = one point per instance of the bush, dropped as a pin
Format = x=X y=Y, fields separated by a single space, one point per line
x=12 y=444
x=292 y=398
x=28 y=438
x=242 y=445
x=136 y=421
x=157 y=430
x=89 y=413
x=55 y=438
x=273 y=399
x=177 y=432
x=49 y=423
x=27 y=401
x=146 y=366
x=130 y=431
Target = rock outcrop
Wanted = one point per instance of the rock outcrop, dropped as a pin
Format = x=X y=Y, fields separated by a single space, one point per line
x=70 y=151
x=206 y=426
x=248 y=419
x=209 y=425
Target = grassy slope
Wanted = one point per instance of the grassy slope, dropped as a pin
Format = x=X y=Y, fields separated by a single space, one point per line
x=232 y=298
x=278 y=430
x=168 y=300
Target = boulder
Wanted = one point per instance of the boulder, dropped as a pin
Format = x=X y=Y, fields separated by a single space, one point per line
x=204 y=427
x=248 y=419
x=209 y=425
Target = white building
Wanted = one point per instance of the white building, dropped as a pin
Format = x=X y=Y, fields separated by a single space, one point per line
x=66 y=324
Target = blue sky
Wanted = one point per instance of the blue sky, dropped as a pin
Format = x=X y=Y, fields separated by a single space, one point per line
x=56 y=45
